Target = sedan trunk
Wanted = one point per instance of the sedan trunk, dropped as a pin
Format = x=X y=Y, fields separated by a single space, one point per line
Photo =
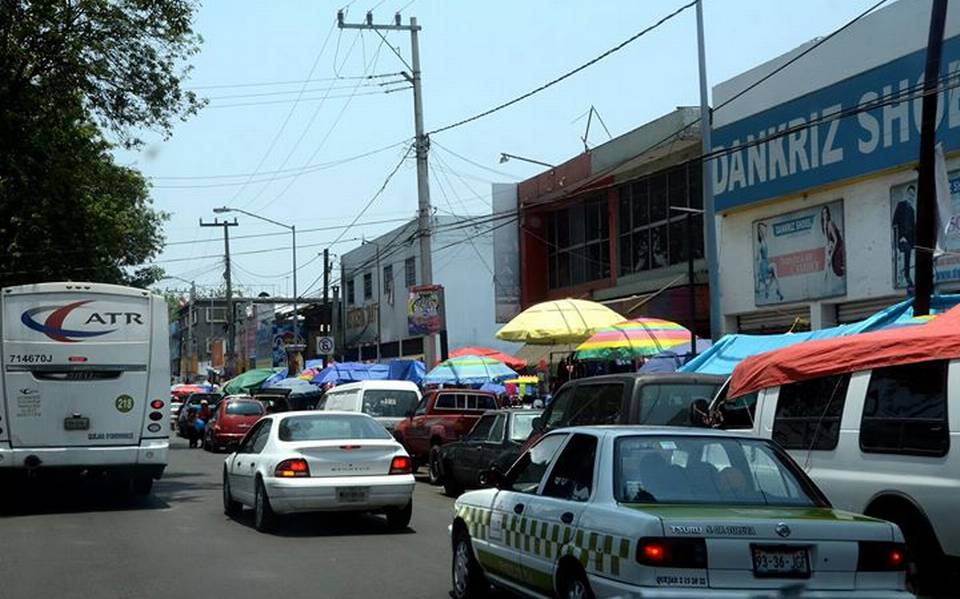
x=367 y=457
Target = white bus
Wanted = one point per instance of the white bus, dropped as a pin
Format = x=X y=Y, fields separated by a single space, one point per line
x=86 y=375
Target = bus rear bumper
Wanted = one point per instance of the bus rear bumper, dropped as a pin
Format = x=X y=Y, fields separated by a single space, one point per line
x=150 y=457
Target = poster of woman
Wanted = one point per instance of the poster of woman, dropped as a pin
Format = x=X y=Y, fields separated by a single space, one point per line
x=800 y=255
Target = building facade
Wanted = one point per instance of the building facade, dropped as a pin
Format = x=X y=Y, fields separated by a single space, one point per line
x=611 y=225
x=815 y=181
x=376 y=278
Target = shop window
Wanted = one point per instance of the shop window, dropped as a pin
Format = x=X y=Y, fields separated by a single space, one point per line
x=350 y=292
x=578 y=240
x=808 y=413
x=905 y=411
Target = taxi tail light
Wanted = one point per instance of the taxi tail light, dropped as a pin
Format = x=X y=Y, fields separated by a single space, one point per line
x=401 y=464
x=881 y=556
x=672 y=552
x=293 y=468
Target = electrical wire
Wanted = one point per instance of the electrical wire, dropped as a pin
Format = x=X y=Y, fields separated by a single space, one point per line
x=293 y=82
x=566 y=75
x=434 y=142
x=312 y=99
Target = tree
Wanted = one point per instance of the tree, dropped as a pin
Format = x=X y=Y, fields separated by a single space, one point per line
x=78 y=78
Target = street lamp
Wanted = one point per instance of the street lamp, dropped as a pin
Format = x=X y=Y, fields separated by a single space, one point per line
x=293 y=232
x=504 y=157
x=690 y=212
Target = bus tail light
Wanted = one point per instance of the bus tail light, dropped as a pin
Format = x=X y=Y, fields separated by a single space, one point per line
x=293 y=468
x=672 y=552
x=156 y=404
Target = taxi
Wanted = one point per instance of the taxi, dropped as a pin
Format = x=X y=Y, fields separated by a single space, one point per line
x=666 y=512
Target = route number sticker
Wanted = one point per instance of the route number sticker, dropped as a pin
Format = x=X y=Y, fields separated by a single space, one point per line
x=124 y=403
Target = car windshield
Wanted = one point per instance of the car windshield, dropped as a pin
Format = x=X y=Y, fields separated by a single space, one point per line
x=323 y=427
x=522 y=427
x=706 y=470
x=389 y=403
x=244 y=408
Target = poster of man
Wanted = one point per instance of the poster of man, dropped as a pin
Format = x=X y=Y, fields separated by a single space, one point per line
x=903 y=222
x=800 y=255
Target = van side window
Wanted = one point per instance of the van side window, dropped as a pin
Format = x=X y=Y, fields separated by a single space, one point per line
x=445 y=401
x=738 y=413
x=485 y=402
x=905 y=410
x=808 y=413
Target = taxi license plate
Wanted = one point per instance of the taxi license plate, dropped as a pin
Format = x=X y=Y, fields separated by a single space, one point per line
x=76 y=424
x=777 y=561
x=352 y=494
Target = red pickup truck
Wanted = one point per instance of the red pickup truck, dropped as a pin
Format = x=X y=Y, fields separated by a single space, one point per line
x=442 y=416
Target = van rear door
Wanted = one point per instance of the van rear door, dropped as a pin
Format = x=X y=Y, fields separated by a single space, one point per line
x=75 y=366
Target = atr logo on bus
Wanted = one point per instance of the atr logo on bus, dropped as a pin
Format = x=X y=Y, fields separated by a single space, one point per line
x=52 y=327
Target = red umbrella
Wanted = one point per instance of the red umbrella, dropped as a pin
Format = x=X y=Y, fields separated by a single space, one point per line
x=486 y=352
x=182 y=391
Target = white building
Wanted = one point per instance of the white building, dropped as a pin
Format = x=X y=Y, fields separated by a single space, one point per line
x=815 y=227
x=378 y=274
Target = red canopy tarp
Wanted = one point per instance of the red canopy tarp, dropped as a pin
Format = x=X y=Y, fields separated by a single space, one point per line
x=939 y=339
x=486 y=352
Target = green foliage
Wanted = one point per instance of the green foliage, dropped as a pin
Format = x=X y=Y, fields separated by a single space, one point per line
x=76 y=78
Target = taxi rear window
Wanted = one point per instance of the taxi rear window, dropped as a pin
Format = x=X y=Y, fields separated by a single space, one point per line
x=707 y=470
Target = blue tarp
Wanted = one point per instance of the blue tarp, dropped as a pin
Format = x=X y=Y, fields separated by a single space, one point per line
x=672 y=359
x=349 y=372
x=296 y=385
x=407 y=370
x=726 y=353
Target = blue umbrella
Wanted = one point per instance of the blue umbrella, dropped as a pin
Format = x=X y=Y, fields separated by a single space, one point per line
x=469 y=370
x=296 y=385
x=672 y=359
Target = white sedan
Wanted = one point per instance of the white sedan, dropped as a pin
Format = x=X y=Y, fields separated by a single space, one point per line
x=666 y=512
x=319 y=461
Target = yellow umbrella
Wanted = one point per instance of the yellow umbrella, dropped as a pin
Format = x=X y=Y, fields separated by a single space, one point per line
x=558 y=321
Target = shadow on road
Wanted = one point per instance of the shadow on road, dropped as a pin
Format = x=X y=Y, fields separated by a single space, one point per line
x=338 y=524
x=72 y=495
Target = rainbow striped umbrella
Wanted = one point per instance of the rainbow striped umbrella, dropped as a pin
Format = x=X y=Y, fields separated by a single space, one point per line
x=633 y=339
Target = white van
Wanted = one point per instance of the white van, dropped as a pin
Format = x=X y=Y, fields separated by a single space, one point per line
x=882 y=441
x=85 y=381
x=387 y=401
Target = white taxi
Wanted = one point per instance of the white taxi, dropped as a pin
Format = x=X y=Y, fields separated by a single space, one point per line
x=319 y=462
x=666 y=512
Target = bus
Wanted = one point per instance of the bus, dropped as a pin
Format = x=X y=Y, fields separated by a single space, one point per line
x=85 y=381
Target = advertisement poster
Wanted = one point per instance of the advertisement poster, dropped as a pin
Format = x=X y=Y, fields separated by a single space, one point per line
x=264 y=335
x=282 y=337
x=800 y=255
x=506 y=253
x=903 y=222
x=425 y=310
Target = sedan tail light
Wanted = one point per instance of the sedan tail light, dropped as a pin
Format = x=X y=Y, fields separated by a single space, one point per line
x=672 y=553
x=401 y=464
x=881 y=556
x=293 y=468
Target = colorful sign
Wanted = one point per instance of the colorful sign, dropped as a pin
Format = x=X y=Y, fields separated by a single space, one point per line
x=800 y=255
x=824 y=136
x=425 y=310
x=903 y=211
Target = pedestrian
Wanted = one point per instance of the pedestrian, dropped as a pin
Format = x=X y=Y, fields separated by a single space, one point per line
x=191 y=431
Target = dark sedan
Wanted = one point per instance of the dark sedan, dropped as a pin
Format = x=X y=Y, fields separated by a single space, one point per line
x=493 y=443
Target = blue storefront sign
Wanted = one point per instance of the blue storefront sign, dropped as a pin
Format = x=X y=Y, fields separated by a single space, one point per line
x=821 y=150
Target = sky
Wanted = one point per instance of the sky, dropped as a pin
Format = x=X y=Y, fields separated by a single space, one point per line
x=257 y=55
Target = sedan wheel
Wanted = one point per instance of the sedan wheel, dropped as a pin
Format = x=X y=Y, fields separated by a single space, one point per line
x=230 y=507
x=575 y=586
x=468 y=578
x=263 y=516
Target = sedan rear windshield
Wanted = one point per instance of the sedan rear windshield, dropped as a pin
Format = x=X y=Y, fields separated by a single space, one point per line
x=244 y=408
x=388 y=403
x=707 y=470
x=325 y=427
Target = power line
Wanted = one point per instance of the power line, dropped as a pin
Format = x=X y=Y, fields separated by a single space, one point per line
x=295 y=81
x=309 y=91
x=566 y=75
x=312 y=99
x=301 y=231
x=473 y=162
x=253 y=252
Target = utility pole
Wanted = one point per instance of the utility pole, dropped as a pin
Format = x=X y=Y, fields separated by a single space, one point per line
x=422 y=144
x=379 y=303
x=190 y=349
x=926 y=184
x=327 y=309
x=230 y=358
x=706 y=164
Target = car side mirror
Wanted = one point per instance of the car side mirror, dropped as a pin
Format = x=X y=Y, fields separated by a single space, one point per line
x=491 y=478
x=700 y=413
x=538 y=424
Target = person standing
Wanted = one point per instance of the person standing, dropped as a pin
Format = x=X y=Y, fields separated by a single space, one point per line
x=904 y=232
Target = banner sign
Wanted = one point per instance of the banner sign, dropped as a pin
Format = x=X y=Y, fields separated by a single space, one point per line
x=425 y=310
x=506 y=254
x=820 y=148
x=903 y=218
x=800 y=255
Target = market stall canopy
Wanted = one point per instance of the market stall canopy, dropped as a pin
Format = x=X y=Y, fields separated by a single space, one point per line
x=249 y=381
x=184 y=390
x=672 y=359
x=511 y=361
x=296 y=385
x=559 y=321
x=730 y=350
x=406 y=370
x=632 y=339
x=469 y=370
x=938 y=339
x=351 y=372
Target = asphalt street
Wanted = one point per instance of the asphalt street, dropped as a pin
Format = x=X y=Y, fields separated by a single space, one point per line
x=77 y=539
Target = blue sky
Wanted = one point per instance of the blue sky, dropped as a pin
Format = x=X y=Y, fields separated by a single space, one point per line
x=473 y=54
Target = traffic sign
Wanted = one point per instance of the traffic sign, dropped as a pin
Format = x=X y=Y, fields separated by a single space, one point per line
x=325 y=346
